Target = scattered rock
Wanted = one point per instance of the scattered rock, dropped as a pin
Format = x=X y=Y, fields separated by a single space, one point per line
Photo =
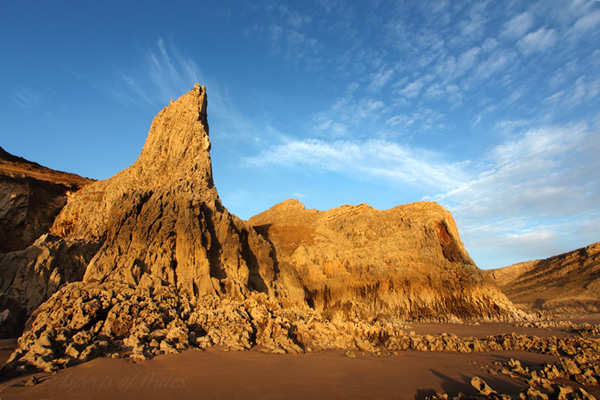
x=533 y=394
x=482 y=387
x=32 y=381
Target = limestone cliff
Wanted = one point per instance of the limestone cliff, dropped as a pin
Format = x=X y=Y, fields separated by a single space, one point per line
x=163 y=217
x=358 y=262
x=160 y=217
x=568 y=283
x=29 y=277
x=164 y=266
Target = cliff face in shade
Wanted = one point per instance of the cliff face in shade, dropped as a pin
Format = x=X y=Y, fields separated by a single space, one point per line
x=31 y=196
x=163 y=217
x=568 y=283
x=359 y=262
x=29 y=277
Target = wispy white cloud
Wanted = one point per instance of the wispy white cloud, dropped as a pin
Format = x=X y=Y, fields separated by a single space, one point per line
x=508 y=126
x=289 y=33
x=495 y=63
x=364 y=160
x=504 y=242
x=413 y=89
x=162 y=73
x=466 y=60
x=587 y=22
x=452 y=68
x=540 y=173
x=380 y=79
x=26 y=99
x=347 y=114
x=418 y=121
x=518 y=26
x=473 y=26
x=169 y=70
x=540 y=40
x=332 y=128
x=531 y=190
x=570 y=97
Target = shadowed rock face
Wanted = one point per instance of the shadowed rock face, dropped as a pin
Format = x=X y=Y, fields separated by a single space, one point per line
x=29 y=277
x=568 y=283
x=364 y=263
x=31 y=196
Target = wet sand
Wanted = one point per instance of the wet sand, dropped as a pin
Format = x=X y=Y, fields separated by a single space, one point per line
x=218 y=374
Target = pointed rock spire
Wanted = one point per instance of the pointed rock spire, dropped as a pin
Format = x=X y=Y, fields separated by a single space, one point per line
x=162 y=216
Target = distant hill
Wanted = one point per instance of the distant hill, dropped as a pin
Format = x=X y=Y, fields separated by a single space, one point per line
x=564 y=283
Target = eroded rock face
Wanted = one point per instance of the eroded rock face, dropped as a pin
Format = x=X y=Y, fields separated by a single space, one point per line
x=160 y=217
x=29 y=277
x=84 y=320
x=31 y=196
x=566 y=283
x=163 y=217
x=363 y=263
x=32 y=265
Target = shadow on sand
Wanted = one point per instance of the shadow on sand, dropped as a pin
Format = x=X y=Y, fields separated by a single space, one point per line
x=453 y=386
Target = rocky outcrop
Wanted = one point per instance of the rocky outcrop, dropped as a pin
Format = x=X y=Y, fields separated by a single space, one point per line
x=163 y=217
x=157 y=264
x=357 y=262
x=29 y=277
x=31 y=196
x=86 y=320
x=160 y=217
x=566 y=283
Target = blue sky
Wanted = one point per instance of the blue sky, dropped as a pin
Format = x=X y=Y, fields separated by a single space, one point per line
x=490 y=108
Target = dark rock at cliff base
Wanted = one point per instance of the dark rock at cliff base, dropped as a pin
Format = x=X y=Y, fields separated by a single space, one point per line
x=31 y=196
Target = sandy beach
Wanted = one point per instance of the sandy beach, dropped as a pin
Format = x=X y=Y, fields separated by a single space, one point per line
x=219 y=374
